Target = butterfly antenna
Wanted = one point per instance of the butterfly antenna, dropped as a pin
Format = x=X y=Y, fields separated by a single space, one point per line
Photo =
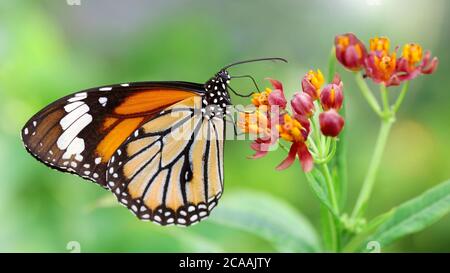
x=255 y=60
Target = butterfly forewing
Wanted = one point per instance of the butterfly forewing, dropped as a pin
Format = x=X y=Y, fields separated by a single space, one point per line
x=80 y=132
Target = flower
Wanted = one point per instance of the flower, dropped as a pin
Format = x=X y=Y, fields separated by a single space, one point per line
x=312 y=82
x=380 y=44
x=411 y=64
x=384 y=67
x=255 y=123
x=302 y=104
x=331 y=96
x=277 y=96
x=296 y=131
x=262 y=98
x=270 y=97
x=291 y=129
x=350 y=51
x=380 y=65
x=331 y=123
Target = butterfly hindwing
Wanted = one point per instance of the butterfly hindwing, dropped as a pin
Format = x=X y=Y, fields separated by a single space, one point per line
x=170 y=170
x=80 y=132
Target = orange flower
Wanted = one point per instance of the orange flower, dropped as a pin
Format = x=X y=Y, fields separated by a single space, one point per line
x=380 y=44
x=312 y=82
x=412 y=53
x=255 y=123
x=261 y=99
x=291 y=129
x=384 y=67
x=296 y=131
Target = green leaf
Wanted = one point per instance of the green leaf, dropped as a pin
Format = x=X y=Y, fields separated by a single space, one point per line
x=268 y=217
x=414 y=215
x=370 y=228
x=317 y=182
x=194 y=242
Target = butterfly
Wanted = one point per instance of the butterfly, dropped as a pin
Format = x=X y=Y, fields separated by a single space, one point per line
x=158 y=146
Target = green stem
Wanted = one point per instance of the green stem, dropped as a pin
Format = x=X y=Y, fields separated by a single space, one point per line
x=367 y=93
x=369 y=181
x=333 y=231
x=385 y=99
x=400 y=97
x=334 y=225
x=330 y=187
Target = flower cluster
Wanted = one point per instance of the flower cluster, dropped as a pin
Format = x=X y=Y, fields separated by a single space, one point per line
x=381 y=64
x=271 y=121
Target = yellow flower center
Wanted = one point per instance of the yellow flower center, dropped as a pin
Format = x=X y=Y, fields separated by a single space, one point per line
x=291 y=130
x=316 y=78
x=343 y=41
x=332 y=94
x=260 y=99
x=380 y=44
x=386 y=65
x=412 y=52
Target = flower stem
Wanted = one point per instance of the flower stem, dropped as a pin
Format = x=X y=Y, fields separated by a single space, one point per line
x=400 y=97
x=367 y=93
x=385 y=99
x=369 y=181
x=334 y=225
x=330 y=188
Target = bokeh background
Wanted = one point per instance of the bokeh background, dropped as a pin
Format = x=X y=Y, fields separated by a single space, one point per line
x=49 y=49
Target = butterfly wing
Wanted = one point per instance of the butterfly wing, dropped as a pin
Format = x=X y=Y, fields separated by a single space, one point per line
x=170 y=170
x=80 y=132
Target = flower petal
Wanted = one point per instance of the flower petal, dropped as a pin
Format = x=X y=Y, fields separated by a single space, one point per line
x=287 y=162
x=305 y=157
x=276 y=97
x=276 y=84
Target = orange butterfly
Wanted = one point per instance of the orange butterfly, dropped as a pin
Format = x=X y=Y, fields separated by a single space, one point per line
x=158 y=146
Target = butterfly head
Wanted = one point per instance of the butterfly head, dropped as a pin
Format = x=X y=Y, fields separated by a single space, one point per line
x=216 y=93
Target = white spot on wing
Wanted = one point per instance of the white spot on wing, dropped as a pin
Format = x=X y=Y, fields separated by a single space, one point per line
x=75 y=148
x=66 y=138
x=78 y=96
x=125 y=84
x=102 y=101
x=71 y=106
x=105 y=88
x=70 y=118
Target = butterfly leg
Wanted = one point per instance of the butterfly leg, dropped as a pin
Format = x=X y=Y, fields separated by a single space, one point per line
x=251 y=78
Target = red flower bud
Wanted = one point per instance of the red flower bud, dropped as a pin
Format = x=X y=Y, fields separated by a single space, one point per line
x=302 y=104
x=331 y=123
x=331 y=96
x=350 y=51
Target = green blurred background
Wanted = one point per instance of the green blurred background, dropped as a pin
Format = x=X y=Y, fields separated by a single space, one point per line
x=49 y=49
